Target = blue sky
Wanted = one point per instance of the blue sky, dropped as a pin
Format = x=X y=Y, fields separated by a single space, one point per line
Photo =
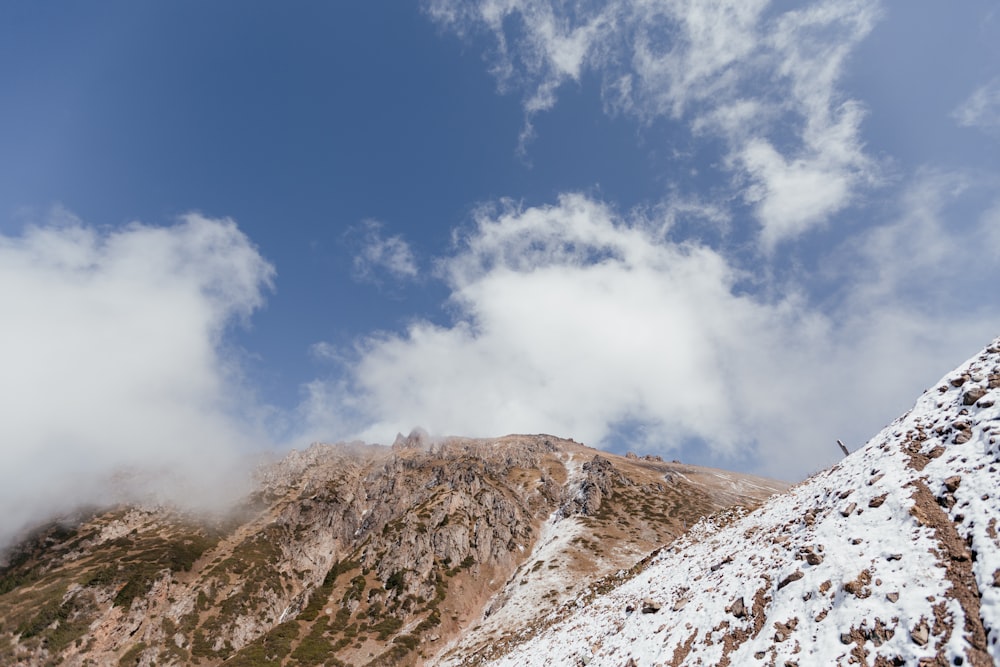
x=728 y=234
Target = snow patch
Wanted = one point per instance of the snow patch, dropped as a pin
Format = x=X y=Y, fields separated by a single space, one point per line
x=851 y=565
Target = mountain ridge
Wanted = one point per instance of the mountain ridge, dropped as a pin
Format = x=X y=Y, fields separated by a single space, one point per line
x=352 y=554
x=890 y=557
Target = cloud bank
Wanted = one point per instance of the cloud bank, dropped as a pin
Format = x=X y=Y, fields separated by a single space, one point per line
x=114 y=362
x=573 y=319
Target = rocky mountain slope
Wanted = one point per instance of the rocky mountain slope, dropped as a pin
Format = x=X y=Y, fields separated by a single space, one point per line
x=892 y=557
x=422 y=552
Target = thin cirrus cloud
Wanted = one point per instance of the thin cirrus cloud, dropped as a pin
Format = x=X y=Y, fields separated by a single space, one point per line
x=982 y=108
x=573 y=319
x=113 y=362
x=763 y=81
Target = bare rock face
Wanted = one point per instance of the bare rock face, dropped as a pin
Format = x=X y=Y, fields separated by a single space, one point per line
x=351 y=554
x=599 y=476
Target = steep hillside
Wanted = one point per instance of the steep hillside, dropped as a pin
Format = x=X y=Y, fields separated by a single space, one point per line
x=891 y=557
x=352 y=555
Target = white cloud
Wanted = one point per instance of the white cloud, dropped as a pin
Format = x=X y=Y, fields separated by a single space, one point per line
x=111 y=350
x=552 y=47
x=572 y=320
x=938 y=254
x=560 y=307
x=378 y=256
x=687 y=52
x=764 y=80
x=981 y=109
x=792 y=195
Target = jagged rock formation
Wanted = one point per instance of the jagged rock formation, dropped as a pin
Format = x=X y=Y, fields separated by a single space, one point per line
x=891 y=557
x=423 y=552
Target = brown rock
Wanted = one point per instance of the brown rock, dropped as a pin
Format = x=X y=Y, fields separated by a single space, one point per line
x=784 y=630
x=794 y=576
x=859 y=586
x=814 y=558
x=952 y=483
x=724 y=561
x=650 y=606
x=947 y=500
x=973 y=395
x=892 y=597
x=739 y=610
x=848 y=510
x=921 y=633
x=881 y=634
x=877 y=500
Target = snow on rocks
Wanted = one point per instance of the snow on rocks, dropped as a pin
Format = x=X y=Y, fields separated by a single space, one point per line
x=891 y=557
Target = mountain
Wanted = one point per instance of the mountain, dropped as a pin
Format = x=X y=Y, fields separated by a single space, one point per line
x=423 y=552
x=891 y=557
x=533 y=550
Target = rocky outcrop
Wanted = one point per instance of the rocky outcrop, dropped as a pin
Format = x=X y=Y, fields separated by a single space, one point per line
x=599 y=480
x=347 y=554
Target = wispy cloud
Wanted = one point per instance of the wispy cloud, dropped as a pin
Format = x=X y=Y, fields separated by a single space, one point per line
x=982 y=108
x=377 y=256
x=765 y=81
x=112 y=349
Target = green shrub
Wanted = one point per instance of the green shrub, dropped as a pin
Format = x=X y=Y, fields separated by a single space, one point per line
x=269 y=650
x=132 y=655
x=409 y=641
x=387 y=626
x=314 y=647
x=396 y=581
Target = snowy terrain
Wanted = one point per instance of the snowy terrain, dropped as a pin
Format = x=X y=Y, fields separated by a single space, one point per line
x=891 y=557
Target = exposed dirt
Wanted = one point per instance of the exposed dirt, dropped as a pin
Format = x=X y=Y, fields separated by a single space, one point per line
x=955 y=557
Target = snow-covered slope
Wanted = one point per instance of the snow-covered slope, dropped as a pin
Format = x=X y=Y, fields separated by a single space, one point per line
x=892 y=557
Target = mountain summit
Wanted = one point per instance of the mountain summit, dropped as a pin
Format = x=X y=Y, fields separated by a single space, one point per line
x=891 y=557
x=354 y=554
